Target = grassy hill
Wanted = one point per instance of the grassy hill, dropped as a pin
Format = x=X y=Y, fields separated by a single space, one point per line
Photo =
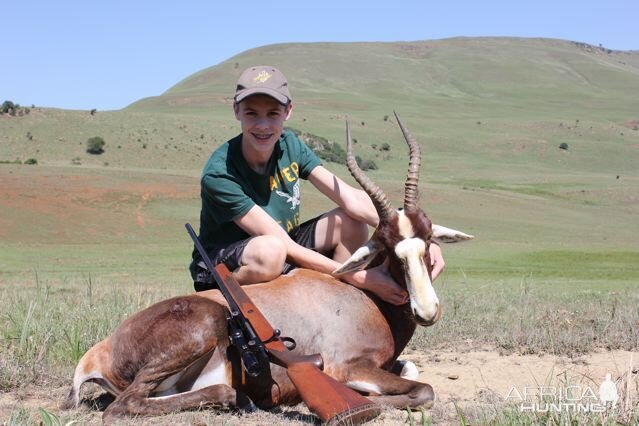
x=490 y=114
x=498 y=100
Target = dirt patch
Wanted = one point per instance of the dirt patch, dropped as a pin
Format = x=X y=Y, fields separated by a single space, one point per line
x=632 y=124
x=470 y=375
x=66 y=205
x=468 y=379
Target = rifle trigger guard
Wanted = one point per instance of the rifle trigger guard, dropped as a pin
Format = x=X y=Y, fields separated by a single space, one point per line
x=274 y=337
x=289 y=342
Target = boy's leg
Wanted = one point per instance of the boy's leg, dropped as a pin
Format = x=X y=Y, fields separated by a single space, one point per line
x=252 y=260
x=338 y=232
x=262 y=260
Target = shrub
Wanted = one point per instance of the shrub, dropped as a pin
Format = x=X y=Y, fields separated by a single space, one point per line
x=95 y=145
x=30 y=161
x=385 y=147
x=329 y=151
x=366 y=164
x=563 y=146
x=7 y=107
x=322 y=147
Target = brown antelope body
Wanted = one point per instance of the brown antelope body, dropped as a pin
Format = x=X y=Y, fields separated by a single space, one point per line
x=175 y=355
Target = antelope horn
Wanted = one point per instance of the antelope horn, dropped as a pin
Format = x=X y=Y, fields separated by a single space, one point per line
x=382 y=205
x=411 y=189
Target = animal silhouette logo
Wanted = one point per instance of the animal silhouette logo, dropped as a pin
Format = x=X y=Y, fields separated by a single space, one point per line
x=293 y=199
x=608 y=391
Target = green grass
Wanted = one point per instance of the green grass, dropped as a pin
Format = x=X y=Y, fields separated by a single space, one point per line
x=528 y=315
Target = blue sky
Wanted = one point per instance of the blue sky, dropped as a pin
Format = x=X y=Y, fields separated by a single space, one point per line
x=107 y=54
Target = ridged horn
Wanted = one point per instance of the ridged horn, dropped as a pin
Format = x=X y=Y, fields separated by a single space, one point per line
x=384 y=208
x=411 y=190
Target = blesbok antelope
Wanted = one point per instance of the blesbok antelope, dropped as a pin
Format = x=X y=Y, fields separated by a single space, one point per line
x=175 y=354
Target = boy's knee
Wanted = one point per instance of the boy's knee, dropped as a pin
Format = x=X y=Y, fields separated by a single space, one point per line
x=266 y=255
x=352 y=229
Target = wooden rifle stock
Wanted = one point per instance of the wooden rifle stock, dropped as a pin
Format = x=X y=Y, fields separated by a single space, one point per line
x=332 y=401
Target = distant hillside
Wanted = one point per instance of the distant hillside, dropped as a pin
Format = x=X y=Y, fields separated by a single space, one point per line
x=460 y=74
x=475 y=104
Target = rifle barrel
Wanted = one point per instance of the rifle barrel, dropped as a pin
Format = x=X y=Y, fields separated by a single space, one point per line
x=331 y=400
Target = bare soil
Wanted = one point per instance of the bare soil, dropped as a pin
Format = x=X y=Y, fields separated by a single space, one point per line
x=69 y=205
x=470 y=379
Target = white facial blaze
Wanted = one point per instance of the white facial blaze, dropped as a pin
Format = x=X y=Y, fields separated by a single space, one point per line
x=405 y=225
x=423 y=299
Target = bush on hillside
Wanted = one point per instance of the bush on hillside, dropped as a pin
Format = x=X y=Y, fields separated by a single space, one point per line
x=563 y=146
x=30 y=161
x=365 y=164
x=7 y=106
x=95 y=145
x=322 y=147
x=13 y=109
x=10 y=108
x=330 y=151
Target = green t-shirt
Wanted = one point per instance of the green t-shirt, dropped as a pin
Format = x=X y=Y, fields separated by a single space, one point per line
x=230 y=188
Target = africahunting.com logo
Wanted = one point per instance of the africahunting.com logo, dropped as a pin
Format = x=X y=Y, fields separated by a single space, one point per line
x=569 y=398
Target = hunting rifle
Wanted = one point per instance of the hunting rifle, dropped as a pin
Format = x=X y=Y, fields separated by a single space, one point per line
x=257 y=340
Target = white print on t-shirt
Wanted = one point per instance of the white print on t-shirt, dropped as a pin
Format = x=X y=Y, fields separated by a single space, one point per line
x=295 y=198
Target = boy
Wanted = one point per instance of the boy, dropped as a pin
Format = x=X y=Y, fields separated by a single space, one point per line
x=250 y=200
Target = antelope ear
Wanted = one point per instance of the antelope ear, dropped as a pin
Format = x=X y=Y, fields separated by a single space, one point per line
x=447 y=235
x=361 y=258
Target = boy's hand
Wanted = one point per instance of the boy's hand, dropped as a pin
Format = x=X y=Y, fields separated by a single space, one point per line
x=379 y=281
x=436 y=260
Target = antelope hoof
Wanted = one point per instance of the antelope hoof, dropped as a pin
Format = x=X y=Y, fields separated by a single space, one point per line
x=405 y=369
x=244 y=403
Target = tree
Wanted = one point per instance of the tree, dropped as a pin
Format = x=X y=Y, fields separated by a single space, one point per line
x=8 y=107
x=95 y=145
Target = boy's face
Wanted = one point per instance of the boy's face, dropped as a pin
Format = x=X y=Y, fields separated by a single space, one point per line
x=262 y=119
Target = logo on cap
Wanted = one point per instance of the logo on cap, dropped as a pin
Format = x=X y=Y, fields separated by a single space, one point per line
x=262 y=77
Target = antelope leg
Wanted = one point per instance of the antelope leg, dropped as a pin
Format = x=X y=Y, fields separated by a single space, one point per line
x=386 y=388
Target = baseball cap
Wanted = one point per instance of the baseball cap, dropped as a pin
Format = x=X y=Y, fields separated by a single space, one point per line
x=265 y=80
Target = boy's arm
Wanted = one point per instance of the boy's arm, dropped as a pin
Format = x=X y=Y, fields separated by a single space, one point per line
x=257 y=222
x=355 y=202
